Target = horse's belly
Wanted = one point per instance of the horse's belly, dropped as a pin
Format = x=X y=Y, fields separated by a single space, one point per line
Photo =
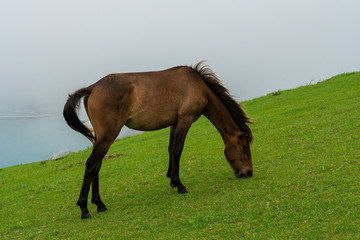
x=150 y=122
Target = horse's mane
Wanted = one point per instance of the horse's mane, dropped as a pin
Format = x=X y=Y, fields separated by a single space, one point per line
x=236 y=111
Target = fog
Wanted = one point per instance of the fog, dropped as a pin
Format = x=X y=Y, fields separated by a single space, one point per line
x=51 y=48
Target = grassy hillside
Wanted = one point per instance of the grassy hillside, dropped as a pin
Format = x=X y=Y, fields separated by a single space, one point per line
x=305 y=186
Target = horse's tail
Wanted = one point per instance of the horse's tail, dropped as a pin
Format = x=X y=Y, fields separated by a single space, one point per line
x=71 y=112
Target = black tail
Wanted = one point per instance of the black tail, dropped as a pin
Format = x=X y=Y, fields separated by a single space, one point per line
x=71 y=115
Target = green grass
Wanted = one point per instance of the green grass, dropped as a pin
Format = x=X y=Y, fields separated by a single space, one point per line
x=305 y=186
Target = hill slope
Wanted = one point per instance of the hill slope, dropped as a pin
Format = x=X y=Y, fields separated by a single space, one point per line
x=306 y=179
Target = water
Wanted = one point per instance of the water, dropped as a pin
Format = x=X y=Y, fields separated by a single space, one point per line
x=35 y=137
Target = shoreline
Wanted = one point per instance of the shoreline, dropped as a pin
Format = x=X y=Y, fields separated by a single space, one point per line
x=25 y=117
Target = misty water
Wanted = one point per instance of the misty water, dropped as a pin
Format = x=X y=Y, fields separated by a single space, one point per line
x=31 y=137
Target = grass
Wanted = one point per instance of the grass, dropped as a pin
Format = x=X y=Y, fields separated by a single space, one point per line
x=305 y=186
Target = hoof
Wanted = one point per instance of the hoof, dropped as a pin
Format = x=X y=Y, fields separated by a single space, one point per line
x=184 y=190
x=172 y=185
x=86 y=216
x=102 y=209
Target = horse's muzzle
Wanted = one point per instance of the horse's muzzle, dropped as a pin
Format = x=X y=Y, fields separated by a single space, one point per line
x=247 y=174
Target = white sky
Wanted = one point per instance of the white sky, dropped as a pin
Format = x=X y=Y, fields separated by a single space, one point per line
x=51 y=48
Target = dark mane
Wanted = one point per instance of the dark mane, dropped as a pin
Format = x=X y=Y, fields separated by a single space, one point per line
x=236 y=111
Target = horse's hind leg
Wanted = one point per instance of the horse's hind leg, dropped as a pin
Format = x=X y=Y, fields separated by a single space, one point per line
x=93 y=164
x=95 y=198
x=90 y=169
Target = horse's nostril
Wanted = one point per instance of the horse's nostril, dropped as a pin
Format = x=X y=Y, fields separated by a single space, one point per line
x=247 y=174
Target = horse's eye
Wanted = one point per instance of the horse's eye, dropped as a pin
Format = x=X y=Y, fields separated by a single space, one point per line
x=243 y=136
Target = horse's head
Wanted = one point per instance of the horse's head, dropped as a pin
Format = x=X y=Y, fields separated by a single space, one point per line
x=238 y=154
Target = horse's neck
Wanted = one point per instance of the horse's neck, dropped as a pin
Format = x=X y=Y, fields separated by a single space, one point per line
x=220 y=117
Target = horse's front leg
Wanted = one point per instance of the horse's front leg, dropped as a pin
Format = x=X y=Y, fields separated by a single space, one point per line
x=170 y=149
x=180 y=133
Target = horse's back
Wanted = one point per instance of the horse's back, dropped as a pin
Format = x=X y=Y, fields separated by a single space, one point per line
x=152 y=100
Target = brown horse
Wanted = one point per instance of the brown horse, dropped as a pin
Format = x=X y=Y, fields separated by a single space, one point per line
x=147 y=101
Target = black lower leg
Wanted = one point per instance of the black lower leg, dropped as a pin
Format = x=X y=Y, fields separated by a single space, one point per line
x=181 y=188
x=179 y=135
x=96 y=195
x=92 y=169
x=82 y=202
x=170 y=149
x=89 y=177
x=168 y=174
x=175 y=179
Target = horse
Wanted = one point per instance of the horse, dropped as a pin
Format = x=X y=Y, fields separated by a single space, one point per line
x=148 y=101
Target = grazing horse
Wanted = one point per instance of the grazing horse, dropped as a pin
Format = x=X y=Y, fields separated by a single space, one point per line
x=147 y=101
